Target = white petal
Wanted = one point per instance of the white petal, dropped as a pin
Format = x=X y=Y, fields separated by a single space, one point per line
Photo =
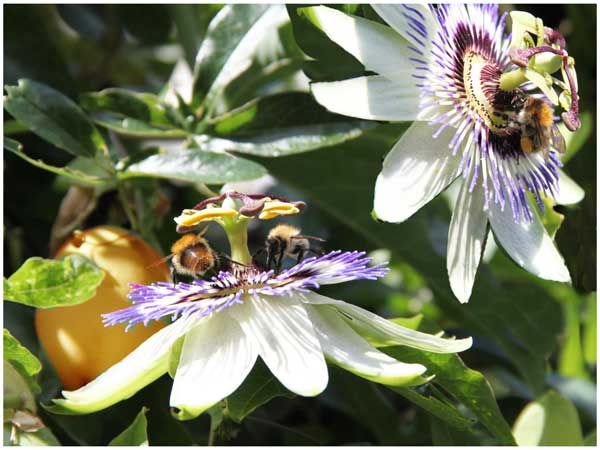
x=373 y=97
x=417 y=169
x=215 y=359
x=283 y=334
x=378 y=47
x=141 y=367
x=397 y=16
x=466 y=237
x=569 y=192
x=381 y=332
x=528 y=244
x=347 y=349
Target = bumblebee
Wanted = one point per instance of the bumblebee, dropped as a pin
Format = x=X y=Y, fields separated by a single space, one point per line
x=191 y=255
x=285 y=240
x=538 y=130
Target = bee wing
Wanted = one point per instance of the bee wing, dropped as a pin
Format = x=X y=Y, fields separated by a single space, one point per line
x=558 y=140
x=312 y=238
x=160 y=261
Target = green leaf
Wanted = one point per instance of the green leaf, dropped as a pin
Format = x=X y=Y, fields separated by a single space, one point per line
x=133 y=114
x=570 y=360
x=191 y=22
x=550 y=420
x=258 y=388
x=280 y=125
x=517 y=316
x=590 y=330
x=129 y=126
x=466 y=385
x=72 y=174
x=590 y=439
x=47 y=283
x=135 y=434
x=18 y=389
x=229 y=45
x=436 y=407
x=22 y=360
x=330 y=62
x=53 y=117
x=196 y=166
x=441 y=434
x=12 y=145
x=144 y=107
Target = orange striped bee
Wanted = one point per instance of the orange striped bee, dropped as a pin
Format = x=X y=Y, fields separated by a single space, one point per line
x=538 y=130
x=191 y=255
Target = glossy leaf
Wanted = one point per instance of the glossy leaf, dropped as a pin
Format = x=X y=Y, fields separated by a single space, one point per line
x=229 y=45
x=257 y=389
x=196 y=166
x=281 y=125
x=466 y=385
x=129 y=126
x=22 y=360
x=135 y=434
x=191 y=22
x=47 y=283
x=550 y=420
x=53 y=117
x=145 y=107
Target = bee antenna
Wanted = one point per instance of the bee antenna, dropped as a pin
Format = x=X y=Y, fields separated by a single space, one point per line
x=203 y=231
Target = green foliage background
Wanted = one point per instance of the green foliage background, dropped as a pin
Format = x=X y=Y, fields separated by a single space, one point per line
x=93 y=89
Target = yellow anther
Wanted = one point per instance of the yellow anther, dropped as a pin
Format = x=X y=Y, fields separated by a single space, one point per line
x=191 y=217
x=274 y=208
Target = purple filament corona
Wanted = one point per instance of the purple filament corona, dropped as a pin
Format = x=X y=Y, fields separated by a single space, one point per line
x=204 y=297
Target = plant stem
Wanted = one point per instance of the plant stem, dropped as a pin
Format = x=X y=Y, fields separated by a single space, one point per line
x=127 y=208
x=211 y=436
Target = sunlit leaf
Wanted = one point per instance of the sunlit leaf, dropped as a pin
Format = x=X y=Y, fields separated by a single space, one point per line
x=550 y=420
x=47 y=283
x=229 y=44
x=22 y=360
x=196 y=166
x=135 y=434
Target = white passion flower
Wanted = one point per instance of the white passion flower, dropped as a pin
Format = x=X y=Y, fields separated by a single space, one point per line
x=221 y=325
x=480 y=107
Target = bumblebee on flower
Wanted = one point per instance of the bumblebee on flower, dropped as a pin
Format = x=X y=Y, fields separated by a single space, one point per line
x=224 y=323
x=482 y=105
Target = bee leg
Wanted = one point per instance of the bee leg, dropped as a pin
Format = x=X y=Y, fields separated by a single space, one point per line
x=174 y=276
x=278 y=261
x=301 y=254
x=270 y=259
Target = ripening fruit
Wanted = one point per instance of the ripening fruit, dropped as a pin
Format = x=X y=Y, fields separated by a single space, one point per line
x=77 y=343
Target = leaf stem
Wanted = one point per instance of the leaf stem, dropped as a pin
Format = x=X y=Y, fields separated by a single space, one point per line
x=127 y=208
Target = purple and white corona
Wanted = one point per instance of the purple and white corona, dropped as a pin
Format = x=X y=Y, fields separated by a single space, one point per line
x=482 y=104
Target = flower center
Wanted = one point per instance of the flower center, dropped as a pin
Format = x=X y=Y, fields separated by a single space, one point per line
x=482 y=80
